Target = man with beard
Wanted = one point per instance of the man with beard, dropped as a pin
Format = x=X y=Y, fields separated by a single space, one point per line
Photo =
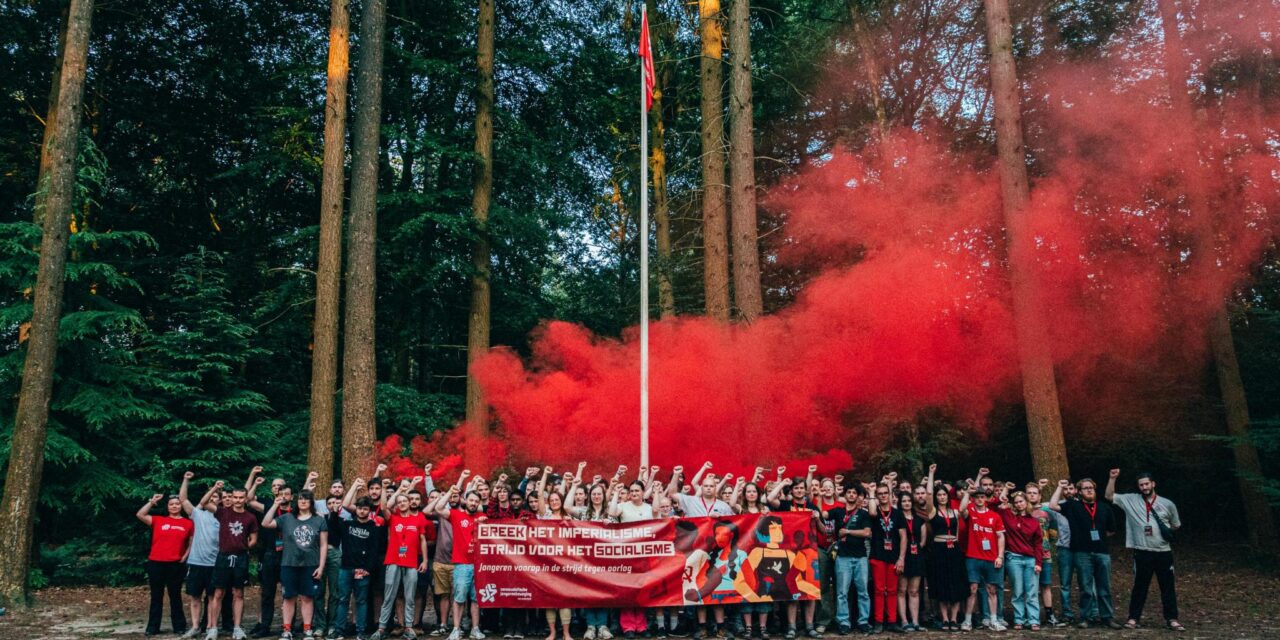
x=1091 y=524
x=1150 y=521
x=463 y=523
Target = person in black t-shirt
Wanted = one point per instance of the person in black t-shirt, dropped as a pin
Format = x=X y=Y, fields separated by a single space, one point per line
x=361 y=540
x=853 y=530
x=1092 y=522
x=888 y=556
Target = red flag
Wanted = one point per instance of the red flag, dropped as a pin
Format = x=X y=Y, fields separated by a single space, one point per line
x=646 y=61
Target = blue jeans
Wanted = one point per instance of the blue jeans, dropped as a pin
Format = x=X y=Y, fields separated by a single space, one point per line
x=1066 y=568
x=1095 y=585
x=852 y=570
x=596 y=617
x=346 y=584
x=1026 y=588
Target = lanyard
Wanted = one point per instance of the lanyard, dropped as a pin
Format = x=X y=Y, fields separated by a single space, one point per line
x=1150 y=507
x=911 y=531
x=704 y=505
x=947 y=519
x=1093 y=513
x=886 y=521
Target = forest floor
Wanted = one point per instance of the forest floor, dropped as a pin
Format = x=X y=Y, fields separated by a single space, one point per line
x=1223 y=592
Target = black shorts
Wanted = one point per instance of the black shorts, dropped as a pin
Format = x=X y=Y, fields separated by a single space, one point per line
x=199 y=580
x=231 y=571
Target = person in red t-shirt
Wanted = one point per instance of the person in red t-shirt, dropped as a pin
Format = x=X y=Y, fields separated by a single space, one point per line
x=463 y=521
x=984 y=557
x=406 y=557
x=170 y=543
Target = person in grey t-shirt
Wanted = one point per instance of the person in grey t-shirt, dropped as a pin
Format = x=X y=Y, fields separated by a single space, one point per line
x=1149 y=522
x=305 y=534
x=204 y=551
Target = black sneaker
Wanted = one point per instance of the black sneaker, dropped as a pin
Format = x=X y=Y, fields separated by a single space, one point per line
x=845 y=630
x=812 y=633
x=699 y=634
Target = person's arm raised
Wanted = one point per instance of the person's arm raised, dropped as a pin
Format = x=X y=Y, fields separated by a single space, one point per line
x=1055 y=501
x=674 y=485
x=183 y=490
x=206 y=502
x=144 y=514
x=697 y=477
x=251 y=499
x=775 y=496
x=1110 y=494
x=253 y=473
x=269 y=520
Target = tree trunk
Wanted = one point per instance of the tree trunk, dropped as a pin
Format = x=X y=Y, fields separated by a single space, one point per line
x=742 y=204
x=1257 y=511
x=324 y=354
x=715 y=241
x=50 y=120
x=478 y=323
x=30 y=430
x=359 y=362
x=658 y=167
x=1035 y=354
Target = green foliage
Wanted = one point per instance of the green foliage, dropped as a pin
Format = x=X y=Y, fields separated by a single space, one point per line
x=85 y=560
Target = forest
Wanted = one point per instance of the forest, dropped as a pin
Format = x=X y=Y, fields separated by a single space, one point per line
x=886 y=233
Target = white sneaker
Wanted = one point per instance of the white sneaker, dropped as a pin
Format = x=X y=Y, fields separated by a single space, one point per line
x=191 y=634
x=998 y=625
x=211 y=634
x=966 y=626
x=603 y=633
x=286 y=635
x=238 y=634
x=589 y=634
x=477 y=634
x=457 y=634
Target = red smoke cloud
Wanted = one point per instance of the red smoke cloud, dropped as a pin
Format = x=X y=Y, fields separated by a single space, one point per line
x=1138 y=245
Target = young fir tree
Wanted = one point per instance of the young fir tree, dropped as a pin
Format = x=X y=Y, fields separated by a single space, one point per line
x=99 y=390
x=216 y=425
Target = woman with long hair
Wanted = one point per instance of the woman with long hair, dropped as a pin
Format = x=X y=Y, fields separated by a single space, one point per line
x=170 y=543
x=913 y=565
x=553 y=508
x=306 y=536
x=948 y=584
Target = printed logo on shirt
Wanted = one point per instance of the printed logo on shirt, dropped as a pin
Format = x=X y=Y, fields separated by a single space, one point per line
x=236 y=528
x=166 y=527
x=302 y=536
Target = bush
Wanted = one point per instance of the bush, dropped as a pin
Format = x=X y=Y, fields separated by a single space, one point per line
x=82 y=561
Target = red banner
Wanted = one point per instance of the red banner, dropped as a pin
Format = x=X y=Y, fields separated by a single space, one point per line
x=655 y=563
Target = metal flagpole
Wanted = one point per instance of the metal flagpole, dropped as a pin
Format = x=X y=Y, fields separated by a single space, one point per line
x=644 y=262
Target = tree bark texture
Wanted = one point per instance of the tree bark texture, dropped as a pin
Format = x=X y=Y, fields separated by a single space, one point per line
x=742 y=200
x=478 y=323
x=715 y=232
x=1035 y=353
x=324 y=353
x=359 y=362
x=30 y=431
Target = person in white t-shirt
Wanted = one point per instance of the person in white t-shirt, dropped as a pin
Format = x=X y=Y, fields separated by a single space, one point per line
x=1149 y=522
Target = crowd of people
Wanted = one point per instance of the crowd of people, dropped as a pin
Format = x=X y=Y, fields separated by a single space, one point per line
x=387 y=555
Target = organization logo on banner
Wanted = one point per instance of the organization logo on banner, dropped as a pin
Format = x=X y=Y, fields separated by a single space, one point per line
x=488 y=592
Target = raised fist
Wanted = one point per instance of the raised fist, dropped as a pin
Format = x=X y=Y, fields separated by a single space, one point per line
x=417 y=480
x=312 y=475
x=218 y=485
x=933 y=468
x=156 y=498
x=706 y=465
x=1063 y=484
x=1115 y=473
x=188 y=475
x=426 y=469
x=813 y=468
x=502 y=478
x=984 y=471
x=547 y=469
x=531 y=472
x=381 y=468
x=258 y=481
x=781 y=470
x=256 y=470
x=1043 y=482
x=677 y=470
x=465 y=473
